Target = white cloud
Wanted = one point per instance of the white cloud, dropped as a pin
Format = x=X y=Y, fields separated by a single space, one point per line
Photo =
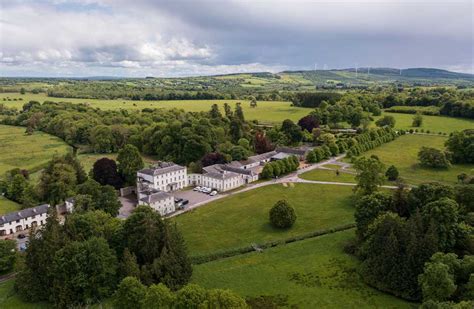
x=163 y=37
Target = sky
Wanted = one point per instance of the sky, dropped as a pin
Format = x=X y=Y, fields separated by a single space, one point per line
x=138 y=38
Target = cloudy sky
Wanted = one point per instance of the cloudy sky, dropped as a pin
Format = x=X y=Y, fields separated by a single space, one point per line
x=201 y=37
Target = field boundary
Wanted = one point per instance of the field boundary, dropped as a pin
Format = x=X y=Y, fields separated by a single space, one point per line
x=201 y=259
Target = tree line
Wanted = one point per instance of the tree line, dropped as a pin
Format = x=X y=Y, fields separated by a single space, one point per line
x=451 y=102
x=82 y=261
x=415 y=243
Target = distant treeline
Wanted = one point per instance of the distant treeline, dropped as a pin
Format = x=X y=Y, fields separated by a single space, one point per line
x=424 y=110
x=314 y=99
x=138 y=95
x=450 y=102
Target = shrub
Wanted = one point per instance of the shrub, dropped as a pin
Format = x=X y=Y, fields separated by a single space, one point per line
x=392 y=173
x=432 y=157
x=282 y=215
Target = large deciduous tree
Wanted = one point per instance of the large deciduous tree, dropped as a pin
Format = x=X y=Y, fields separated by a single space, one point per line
x=105 y=172
x=369 y=174
x=129 y=162
x=282 y=215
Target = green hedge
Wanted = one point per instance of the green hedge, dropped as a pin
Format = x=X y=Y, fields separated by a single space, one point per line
x=269 y=244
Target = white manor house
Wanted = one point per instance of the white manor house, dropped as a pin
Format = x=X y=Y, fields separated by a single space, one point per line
x=156 y=183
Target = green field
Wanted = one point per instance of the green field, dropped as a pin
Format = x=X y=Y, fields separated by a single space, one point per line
x=8 y=299
x=433 y=123
x=266 y=111
x=313 y=273
x=7 y=206
x=242 y=219
x=18 y=150
x=403 y=153
x=328 y=175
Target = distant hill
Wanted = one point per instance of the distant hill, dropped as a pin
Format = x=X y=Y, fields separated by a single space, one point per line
x=413 y=72
x=370 y=76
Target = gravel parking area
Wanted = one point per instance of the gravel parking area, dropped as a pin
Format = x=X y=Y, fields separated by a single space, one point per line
x=194 y=197
x=128 y=205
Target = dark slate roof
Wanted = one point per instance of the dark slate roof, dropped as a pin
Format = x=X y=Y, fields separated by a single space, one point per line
x=262 y=156
x=25 y=213
x=217 y=169
x=281 y=155
x=237 y=170
x=221 y=175
x=296 y=151
x=155 y=197
x=161 y=168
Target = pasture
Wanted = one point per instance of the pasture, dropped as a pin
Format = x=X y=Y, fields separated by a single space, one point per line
x=435 y=124
x=313 y=273
x=403 y=153
x=31 y=152
x=7 y=206
x=266 y=111
x=242 y=219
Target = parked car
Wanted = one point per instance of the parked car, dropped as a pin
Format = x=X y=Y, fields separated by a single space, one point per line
x=213 y=193
x=198 y=188
x=185 y=202
x=207 y=190
x=177 y=200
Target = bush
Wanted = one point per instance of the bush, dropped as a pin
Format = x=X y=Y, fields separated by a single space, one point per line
x=392 y=173
x=432 y=157
x=386 y=121
x=282 y=215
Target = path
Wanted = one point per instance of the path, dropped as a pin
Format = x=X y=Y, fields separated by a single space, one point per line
x=293 y=177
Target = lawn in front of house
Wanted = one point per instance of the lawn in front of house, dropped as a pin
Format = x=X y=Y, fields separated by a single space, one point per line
x=328 y=175
x=243 y=218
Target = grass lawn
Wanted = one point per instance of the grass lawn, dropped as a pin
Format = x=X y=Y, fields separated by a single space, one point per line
x=88 y=159
x=313 y=273
x=7 y=206
x=403 y=153
x=266 y=111
x=328 y=175
x=433 y=123
x=9 y=300
x=242 y=219
x=18 y=150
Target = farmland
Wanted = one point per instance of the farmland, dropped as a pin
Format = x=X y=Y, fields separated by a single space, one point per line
x=213 y=228
x=266 y=111
x=403 y=154
x=19 y=150
x=313 y=273
x=434 y=124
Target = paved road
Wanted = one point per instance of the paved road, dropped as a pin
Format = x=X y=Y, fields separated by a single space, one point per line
x=293 y=177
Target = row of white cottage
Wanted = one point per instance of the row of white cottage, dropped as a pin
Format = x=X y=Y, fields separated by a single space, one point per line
x=155 y=183
x=23 y=220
